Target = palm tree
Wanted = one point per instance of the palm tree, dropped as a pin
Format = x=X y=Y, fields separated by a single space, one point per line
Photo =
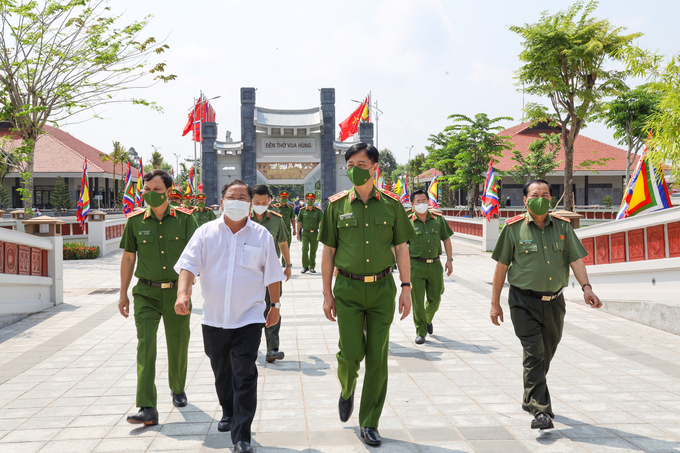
x=118 y=156
x=156 y=158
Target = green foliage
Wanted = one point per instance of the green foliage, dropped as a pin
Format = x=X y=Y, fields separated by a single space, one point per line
x=133 y=157
x=182 y=179
x=387 y=163
x=80 y=251
x=5 y=198
x=538 y=162
x=463 y=151
x=564 y=59
x=607 y=201
x=417 y=166
x=119 y=156
x=61 y=199
x=156 y=158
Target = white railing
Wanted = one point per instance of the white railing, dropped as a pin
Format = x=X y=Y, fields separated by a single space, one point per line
x=478 y=231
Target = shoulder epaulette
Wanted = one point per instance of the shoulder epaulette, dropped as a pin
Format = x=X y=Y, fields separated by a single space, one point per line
x=561 y=218
x=338 y=196
x=276 y=213
x=318 y=208
x=135 y=212
x=393 y=196
x=275 y=205
x=515 y=219
x=184 y=210
x=439 y=213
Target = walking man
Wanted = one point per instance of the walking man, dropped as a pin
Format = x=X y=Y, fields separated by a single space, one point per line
x=535 y=250
x=273 y=222
x=287 y=212
x=176 y=198
x=237 y=260
x=308 y=221
x=155 y=237
x=201 y=213
x=427 y=275
x=359 y=228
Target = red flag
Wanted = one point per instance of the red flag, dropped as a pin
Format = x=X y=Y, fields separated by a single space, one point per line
x=189 y=125
x=350 y=126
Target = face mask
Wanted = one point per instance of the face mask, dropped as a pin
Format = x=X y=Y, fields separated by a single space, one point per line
x=310 y=202
x=538 y=206
x=154 y=199
x=201 y=205
x=358 y=176
x=235 y=210
x=284 y=200
x=259 y=210
x=174 y=202
x=421 y=208
x=187 y=204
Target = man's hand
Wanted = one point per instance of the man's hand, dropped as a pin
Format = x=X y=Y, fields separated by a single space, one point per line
x=449 y=267
x=496 y=312
x=124 y=305
x=183 y=304
x=591 y=299
x=299 y=238
x=329 y=306
x=287 y=272
x=273 y=317
x=404 y=304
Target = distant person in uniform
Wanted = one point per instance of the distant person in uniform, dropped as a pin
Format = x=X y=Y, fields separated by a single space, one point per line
x=202 y=214
x=308 y=221
x=535 y=250
x=176 y=198
x=287 y=211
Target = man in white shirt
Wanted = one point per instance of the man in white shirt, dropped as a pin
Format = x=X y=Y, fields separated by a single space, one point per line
x=237 y=260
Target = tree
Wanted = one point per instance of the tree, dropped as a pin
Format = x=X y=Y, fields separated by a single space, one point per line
x=62 y=57
x=417 y=166
x=156 y=159
x=61 y=199
x=133 y=157
x=538 y=162
x=462 y=151
x=118 y=156
x=9 y=162
x=564 y=60
x=387 y=163
x=628 y=115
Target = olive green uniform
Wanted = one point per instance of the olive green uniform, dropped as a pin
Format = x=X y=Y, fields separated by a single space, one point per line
x=287 y=212
x=538 y=262
x=273 y=222
x=203 y=216
x=427 y=277
x=363 y=236
x=158 y=245
x=310 y=218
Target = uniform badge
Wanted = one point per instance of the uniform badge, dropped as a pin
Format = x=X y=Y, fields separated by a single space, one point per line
x=145 y=233
x=349 y=215
x=562 y=237
x=526 y=241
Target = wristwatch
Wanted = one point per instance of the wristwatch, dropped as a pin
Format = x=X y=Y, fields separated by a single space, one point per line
x=449 y=259
x=405 y=284
x=583 y=288
x=276 y=305
x=289 y=265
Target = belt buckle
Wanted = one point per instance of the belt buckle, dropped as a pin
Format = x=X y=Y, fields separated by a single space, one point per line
x=166 y=285
x=369 y=279
x=546 y=298
x=429 y=261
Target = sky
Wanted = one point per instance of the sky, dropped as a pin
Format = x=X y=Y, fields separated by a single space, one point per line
x=422 y=60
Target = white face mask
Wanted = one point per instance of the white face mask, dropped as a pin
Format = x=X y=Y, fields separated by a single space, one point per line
x=235 y=210
x=259 y=210
x=421 y=208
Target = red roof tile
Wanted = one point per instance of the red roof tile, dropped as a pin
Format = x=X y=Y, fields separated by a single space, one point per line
x=430 y=173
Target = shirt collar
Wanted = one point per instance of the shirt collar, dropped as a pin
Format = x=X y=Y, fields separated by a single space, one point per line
x=428 y=216
x=169 y=211
x=374 y=193
x=530 y=218
x=249 y=224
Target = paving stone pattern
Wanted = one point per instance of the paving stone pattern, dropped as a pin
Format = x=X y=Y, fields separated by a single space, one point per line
x=68 y=376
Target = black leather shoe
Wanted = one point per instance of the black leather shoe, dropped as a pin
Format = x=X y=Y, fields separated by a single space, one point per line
x=345 y=407
x=525 y=408
x=179 y=400
x=304 y=271
x=430 y=329
x=542 y=421
x=312 y=271
x=243 y=447
x=275 y=354
x=146 y=416
x=420 y=340
x=371 y=436
x=224 y=425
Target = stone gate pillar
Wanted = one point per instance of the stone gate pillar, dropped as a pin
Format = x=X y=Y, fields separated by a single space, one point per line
x=328 y=179
x=248 y=157
x=366 y=133
x=209 y=163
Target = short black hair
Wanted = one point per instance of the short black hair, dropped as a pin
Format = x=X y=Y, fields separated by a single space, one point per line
x=417 y=192
x=525 y=189
x=237 y=182
x=261 y=189
x=371 y=151
x=167 y=179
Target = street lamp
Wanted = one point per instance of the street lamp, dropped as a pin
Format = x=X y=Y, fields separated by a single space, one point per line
x=176 y=162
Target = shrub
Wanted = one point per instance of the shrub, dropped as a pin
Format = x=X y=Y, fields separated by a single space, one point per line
x=607 y=201
x=80 y=251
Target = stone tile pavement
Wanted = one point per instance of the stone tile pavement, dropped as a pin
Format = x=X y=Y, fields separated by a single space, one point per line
x=67 y=379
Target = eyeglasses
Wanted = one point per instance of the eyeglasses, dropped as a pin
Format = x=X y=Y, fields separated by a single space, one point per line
x=241 y=198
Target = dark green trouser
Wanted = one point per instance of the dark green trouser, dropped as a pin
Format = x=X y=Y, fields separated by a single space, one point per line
x=538 y=325
x=150 y=305
x=290 y=239
x=310 y=242
x=357 y=303
x=425 y=278
x=272 y=333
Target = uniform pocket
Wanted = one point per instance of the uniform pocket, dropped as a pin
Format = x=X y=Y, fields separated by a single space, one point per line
x=176 y=243
x=527 y=258
x=144 y=241
x=384 y=224
x=347 y=230
x=251 y=257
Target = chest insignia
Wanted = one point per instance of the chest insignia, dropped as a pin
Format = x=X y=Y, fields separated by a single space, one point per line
x=349 y=215
x=526 y=241
x=145 y=233
x=561 y=237
x=417 y=229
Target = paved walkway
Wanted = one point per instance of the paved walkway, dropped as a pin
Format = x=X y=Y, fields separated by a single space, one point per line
x=67 y=379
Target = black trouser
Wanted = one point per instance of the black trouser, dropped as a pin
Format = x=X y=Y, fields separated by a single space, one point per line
x=233 y=353
x=271 y=333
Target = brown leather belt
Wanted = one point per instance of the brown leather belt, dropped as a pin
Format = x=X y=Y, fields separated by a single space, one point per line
x=166 y=285
x=366 y=278
x=425 y=260
x=545 y=297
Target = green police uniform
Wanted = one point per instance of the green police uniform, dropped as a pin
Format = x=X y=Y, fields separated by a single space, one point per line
x=427 y=273
x=287 y=212
x=203 y=216
x=158 y=245
x=538 y=261
x=310 y=218
x=363 y=236
x=273 y=222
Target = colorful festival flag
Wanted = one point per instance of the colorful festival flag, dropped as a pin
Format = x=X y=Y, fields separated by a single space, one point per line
x=129 y=195
x=84 y=200
x=490 y=200
x=433 y=193
x=172 y=175
x=140 y=185
x=405 y=197
x=397 y=187
x=191 y=180
x=350 y=126
x=647 y=190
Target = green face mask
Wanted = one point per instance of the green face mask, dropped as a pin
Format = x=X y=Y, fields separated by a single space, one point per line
x=174 y=203
x=310 y=203
x=538 y=206
x=284 y=200
x=187 y=204
x=154 y=199
x=201 y=205
x=358 y=176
